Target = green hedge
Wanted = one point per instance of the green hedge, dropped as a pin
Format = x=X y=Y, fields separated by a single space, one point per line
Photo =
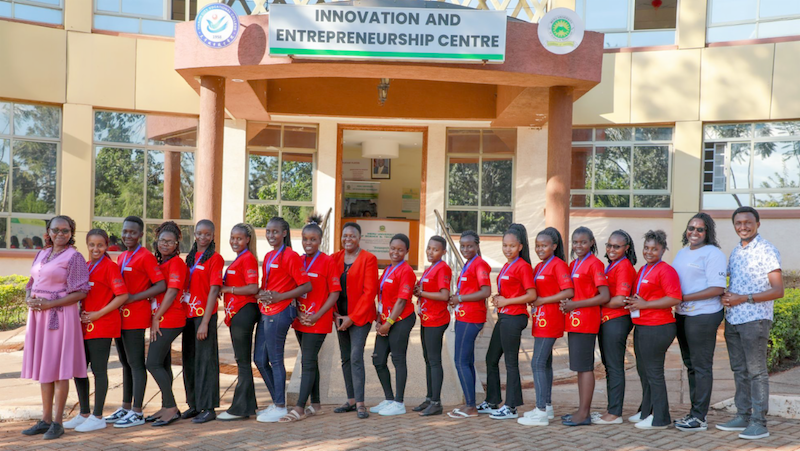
x=784 y=338
x=13 y=311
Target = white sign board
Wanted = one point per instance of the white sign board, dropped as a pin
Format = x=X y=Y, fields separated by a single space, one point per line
x=422 y=34
x=375 y=235
x=356 y=169
x=561 y=31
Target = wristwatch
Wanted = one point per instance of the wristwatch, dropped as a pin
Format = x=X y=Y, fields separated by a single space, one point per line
x=750 y=299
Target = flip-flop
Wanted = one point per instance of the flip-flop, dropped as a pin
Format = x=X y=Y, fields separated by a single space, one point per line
x=311 y=411
x=291 y=417
x=458 y=413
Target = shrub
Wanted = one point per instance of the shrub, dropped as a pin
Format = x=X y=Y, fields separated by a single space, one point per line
x=13 y=311
x=784 y=338
x=791 y=279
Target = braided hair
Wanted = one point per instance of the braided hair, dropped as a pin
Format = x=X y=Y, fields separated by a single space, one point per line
x=251 y=233
x=588 y=232
x=555 y=237
x=711 y=229
x=440 y=240
x=659 y=236
x=287 y=239
x=630 y=254
x=209 y=250
x=474 y=235
x=169 y=227
x=102 y=234
x=70 y=222
x=521 y=233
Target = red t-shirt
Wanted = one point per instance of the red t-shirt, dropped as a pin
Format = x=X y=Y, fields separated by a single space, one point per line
x=586 y=277
x=242 y=272
x=656 y=282
x=106 y=283
x=434 y=313
x=140 y=273
x=281 y=273
x=473 y=276
x=514 y=281
x=620 y=277
x=205 y=275
x=324 y=281
x=176 y=272
x=393 y=285
x=551 y=279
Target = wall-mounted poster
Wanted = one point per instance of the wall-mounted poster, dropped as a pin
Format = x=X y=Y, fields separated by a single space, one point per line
x=381 y=168
x=356 y=169
x=410 y=201
x=376 y=234
x=360 y=199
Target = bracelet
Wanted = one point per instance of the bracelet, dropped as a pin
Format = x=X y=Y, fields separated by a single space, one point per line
x=459 y=298
x=390 y=321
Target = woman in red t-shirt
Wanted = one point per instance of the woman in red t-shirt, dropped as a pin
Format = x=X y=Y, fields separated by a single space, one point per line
x=516 y=288
x=553 y=285
x=240 y=285
x=583 y=321
x=168 y=320
x=657 y=290
x=101 y=322
x=200 y=350
x=615 y=324
x=314 y=321
x=469 y=301
x=433 y=292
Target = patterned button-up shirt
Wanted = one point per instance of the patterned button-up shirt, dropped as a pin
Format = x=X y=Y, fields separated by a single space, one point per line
x=748 y=268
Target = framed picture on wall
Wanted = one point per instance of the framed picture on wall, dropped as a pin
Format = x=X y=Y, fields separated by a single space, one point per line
x=381 y=168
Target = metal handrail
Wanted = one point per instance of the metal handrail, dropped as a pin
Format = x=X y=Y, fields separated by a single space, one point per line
x=453 y=257
x=325 y=238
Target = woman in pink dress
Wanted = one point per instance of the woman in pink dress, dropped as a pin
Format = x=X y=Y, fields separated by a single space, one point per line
x=53 y=352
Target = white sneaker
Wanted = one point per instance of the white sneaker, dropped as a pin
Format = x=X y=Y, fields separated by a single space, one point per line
x=395 y=408
x=550 y=414
x=272 y=415
x=635 y=418
x=385 y=403
x=505 y=413
x=487 y=409
x=130 y=420
x=116 y=416
x=74 y=422
x=647 y=423
x=225 y=416
x=91 y=424
x=535 y=413
x=535 y=417
x=268 y=409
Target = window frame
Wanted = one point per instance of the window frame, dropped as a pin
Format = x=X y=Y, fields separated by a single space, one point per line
x=756 y=22
x=512 y=156
x=36 y=4
x=166 y=13
x=280 y=150
x=629 y=29
x=631 y=191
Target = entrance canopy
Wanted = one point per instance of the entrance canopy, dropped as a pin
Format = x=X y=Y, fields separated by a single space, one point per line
x=512 y=93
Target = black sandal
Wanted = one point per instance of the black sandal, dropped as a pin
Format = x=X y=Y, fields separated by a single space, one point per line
x=344 y=408
x=363 y=412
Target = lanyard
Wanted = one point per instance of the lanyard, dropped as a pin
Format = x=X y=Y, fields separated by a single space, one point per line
x=578 y=265
x=463 y=271
x=428 y=271
x=94 y=266
x=306 y=267
x=268 y=265
x=644 y=274
x=234 y=262
x=502 y=273
x=610 y=267
x=386 y=274
x=126 y=261
x=194 y=266
x=541 y=270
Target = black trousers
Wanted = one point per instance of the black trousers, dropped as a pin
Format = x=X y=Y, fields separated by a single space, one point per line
x=130 y=348
x=697 y=337
x=243 y=324
x=432 y=338
x=650 y=343
x=351 y=346
x=159 y=363
x=505 y=342
x=613 y=343
x=201 y=365
x=97 y=352
x=310 y=344
x=396 y=344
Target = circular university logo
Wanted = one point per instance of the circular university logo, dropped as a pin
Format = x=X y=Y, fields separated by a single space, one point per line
x=561 y=28
x=560 y=31
x=217 y=25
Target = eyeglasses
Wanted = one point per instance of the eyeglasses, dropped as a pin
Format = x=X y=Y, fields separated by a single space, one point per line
x=60 y=231
x=698 y=229
x=616 y=247
x=167 y=242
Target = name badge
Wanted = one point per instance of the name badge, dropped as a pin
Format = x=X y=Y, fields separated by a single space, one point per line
x=273 y=265
x=645 y=281
x=201 y=267
x=91 y=284
x=463 y=279
x=504 y=278
x=312 y=274
x=128 y=269
x=231 y=272
x=576 y=276
x=425 y=280
x=186 y=298
x=540 y=278
x=389 y=281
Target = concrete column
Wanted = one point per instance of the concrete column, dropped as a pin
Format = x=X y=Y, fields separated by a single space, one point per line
x=208 y=186
x=75 y=190
x=687 y=176
x=435 y=184
x=172 y=185
x=234 y=182
x=559 y=145
x=530 y=177
x=325 y=182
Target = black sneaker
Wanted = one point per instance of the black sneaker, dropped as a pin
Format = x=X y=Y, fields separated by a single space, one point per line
x=422 y=406
x=486 y=408
x=434 y=408
x=56 y=430
x=684 y=418
x=39 y=428
x=691 y=424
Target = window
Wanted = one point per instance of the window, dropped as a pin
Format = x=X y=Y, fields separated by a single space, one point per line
x=731 y=20
x=626 y=167
x=630 y=23
x=30 y=141
x=144 y=166
x=480 y=180
x=44 y=11
x=751 y=164
x=280 y=173
x=156 y=17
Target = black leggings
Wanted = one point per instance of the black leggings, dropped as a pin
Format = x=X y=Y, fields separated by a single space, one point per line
x=201 y=365
x=505 y=343
x=242 y=326
x=395 y=343
x=159 y=364
x=130 y=347
x=310 y=344
x=432 y=338
x=97 y=351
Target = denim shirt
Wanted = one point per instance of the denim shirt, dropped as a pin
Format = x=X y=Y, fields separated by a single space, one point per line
x=749 y=267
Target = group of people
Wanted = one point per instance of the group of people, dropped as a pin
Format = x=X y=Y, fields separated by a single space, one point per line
x=77 y=307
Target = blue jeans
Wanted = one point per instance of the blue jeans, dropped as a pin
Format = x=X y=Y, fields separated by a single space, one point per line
x=542 y=368
x=270 y=341
x=747 y=350
x=466 y=333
